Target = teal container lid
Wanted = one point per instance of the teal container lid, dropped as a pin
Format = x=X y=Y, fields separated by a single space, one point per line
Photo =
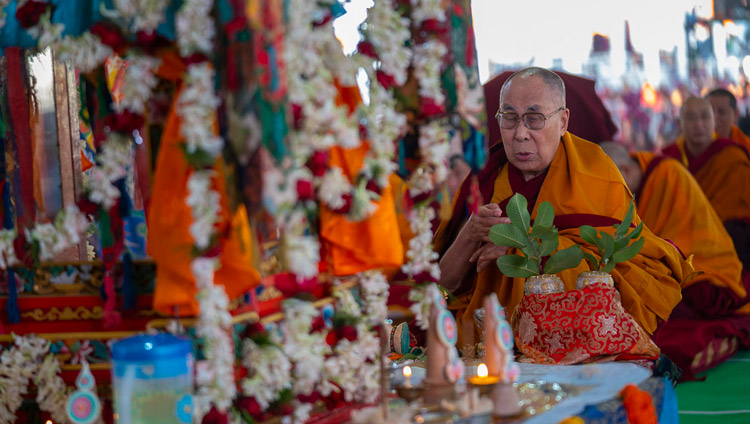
x=147 y=348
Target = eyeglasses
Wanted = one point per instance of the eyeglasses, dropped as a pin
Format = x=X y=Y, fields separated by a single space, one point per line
x=532 y=120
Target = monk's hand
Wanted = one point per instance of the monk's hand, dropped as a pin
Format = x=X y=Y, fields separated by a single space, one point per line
x=487 y=254
x=481 y=222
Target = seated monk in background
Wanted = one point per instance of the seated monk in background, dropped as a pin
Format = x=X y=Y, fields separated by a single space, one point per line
x=714 y=304
x=722 y=169
x=540 y=159
x=724 y=105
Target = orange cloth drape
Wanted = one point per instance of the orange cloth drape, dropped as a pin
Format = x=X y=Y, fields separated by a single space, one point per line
x=739 y=137
x=673 y=206
x=583 y=180
x=169 y=239
x=373 y=243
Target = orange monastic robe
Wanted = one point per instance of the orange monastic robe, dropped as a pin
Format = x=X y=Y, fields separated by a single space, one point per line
x=169 y=239
x=740 y=138
x=585 y=187
x=673 y=206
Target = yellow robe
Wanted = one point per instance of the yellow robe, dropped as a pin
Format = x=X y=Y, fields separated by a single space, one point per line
x=581 y=182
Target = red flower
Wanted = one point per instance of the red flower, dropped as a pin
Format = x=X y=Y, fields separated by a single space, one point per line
x=424 y=277
x=252 y=407
x=215 y=417
x=374 y=187
x=287 y=284
x=305 y=190
x=332 y=338
x=434 y=26
x=195 y=58
x=347 y=204
x=124 y=122
x=109 y=35
x=318 y=324
x=284 y=410
x=297 y=115
x=311 y=398
x=430 y=108
x=386 y=80
x=366 y=48
x=347 y=332
x=335 y=399
x=318 y=163
x=29 y=14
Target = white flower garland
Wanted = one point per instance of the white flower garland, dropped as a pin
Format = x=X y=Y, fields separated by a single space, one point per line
x=146 y=15
x=269 y=372
x=138 y=81
x=7 y=250
x=112 y=161
x=215 y=380
x=85 y=52
x=375 y=296
x=434 y=144
x=333 y=186
x=389 y=32
x=30 y=359
x=302 y=254
x=422 y=298
x=195 y=27
x=55 y=237
x=196 y=107
x=427 y=66
x=422 y=257
x=204 y=203
x=423 y=10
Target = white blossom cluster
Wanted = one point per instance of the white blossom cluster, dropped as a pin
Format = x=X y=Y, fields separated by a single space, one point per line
x=385 y=125
x=422 y=257
x=423 y=10
x=112 y=161
x=195 y=27
x=196 y=107
x=389 y=32
x=55 y=237
x=302 y=254
x=422 y=298
x=138 y=81
x=375 y=295
x=146 y=15
x=428 y=58
x=85 y=52
x=204 y=203
x=269 y=372
x=434 y=144
x=29 y=359
x=333 y=186
x=215 y=380
x=7 y=250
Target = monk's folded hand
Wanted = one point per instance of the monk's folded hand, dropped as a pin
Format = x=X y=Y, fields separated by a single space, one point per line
x=481 y=222
x=487 y=254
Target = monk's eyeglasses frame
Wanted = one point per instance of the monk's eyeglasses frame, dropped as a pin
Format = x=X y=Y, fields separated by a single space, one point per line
x=532 y=120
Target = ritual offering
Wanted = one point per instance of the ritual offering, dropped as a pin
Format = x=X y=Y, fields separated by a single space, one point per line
x=444 y=368
x=500 y=362
x=152 y=378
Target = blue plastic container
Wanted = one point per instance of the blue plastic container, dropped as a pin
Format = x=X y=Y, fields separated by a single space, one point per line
x=152 y=380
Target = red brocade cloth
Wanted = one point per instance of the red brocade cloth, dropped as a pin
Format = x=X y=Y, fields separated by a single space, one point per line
x=578 y=326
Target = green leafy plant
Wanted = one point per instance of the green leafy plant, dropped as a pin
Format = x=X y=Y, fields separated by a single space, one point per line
x=535 y=243
x=613 y=249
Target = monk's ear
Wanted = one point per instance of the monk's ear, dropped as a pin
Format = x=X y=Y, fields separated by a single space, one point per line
x=564 y=119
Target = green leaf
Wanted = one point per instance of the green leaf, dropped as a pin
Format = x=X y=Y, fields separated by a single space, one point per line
x=608 y=242
x=508 y=235
x=630 y=251
x=548 y=246
x=625 y=225
x=588 y=234
x=564 y=259
x=609 y=267
x=635 y=233
x=593 y=261
x=543 y=233
x=517 y=212
x=517 y=266
x=545 y=215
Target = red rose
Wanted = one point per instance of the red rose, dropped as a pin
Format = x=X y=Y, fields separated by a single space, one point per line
x=347 y=332
x=374 y=187
x=297 y=115
x=124 y=122
x=305 y=190
x=386 y=80
x=430 y=108
x=215 y=417
x=335 y=399
x=318 y=324
x=347 y=206
x=109 y=35
x=252 y=407
x=366 y=48
x=331 y=338
x=29 y=14
x=311 y=398
x=434 y=26
x=318 y=163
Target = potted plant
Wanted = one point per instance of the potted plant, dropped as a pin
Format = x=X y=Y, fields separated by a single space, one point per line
x=534 y=244
x=612 y=249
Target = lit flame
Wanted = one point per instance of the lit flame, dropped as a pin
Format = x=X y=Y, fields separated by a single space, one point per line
x=482 y=370
x=676 y=98
x=649 y=94
x=407 y=371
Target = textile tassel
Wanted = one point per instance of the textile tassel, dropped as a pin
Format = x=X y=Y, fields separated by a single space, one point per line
x=128 y=283
x=14 y=315
x=111 y=316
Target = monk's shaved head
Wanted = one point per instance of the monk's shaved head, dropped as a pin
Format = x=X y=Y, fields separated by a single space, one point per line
x=698 y=125
x=554 y=83
x=629 y=168
x=694 y=103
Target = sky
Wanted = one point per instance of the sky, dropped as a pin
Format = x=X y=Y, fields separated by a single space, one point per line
x=517 y=32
